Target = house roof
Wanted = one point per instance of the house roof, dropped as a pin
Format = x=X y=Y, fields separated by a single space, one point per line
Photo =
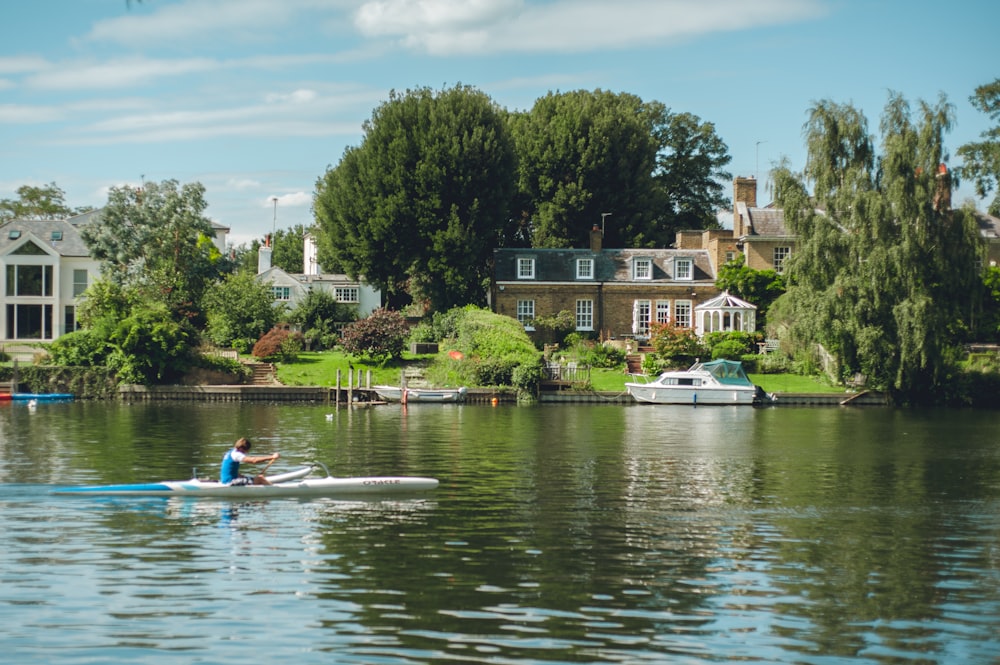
x=610 y=265
x=56 y=234
x=725 y=301
x=989 y=226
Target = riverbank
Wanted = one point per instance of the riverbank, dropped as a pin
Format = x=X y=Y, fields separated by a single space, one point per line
x=364 y=397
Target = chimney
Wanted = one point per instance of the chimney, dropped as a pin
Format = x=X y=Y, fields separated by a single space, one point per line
x=745 y=191
x=309 y=263
x=264 y=255
x=942 y=190
x=596 y=239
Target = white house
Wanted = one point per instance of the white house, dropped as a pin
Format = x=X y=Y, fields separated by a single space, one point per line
x=46 y=267
x=291 y=289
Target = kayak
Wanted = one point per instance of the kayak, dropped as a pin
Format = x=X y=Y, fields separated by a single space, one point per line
x=41 y=397
x=291 y=484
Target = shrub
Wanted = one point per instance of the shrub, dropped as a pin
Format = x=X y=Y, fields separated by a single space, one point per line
x=380 y=336
x=278 y=344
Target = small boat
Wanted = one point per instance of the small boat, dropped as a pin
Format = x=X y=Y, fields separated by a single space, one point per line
x=406 y=395
x=715 y=382
x=294 y=483
x=42 y=397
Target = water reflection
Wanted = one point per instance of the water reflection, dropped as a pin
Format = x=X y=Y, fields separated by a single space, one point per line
x=558 y=534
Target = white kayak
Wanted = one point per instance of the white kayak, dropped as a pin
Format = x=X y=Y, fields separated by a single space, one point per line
x=291 y=484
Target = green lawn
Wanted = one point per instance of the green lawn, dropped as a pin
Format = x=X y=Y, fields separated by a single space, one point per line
x=320 y=369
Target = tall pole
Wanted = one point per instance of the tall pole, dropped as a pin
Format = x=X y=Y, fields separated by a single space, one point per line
x=274 y=222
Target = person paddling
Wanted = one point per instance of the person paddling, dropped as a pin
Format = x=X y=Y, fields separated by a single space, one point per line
x=229 y=473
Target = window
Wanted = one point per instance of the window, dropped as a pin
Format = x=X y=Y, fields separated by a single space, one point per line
x=79 y=282
x=730 y=256
x=683 y=269
x=57 y=235
x=640 y=317
x=585 y=268
x=663 y=311
x=780 y=254
x=347 y=294
x=69 y=319
x=27 y=280
x=525 y=311
x=682 y=309
x=29 y=322
x=642 y=269
x=525 y=268
x=584 y=314
x=14 y=235
x=281 y=292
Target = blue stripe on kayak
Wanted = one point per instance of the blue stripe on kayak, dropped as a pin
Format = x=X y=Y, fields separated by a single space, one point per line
x=151 y=487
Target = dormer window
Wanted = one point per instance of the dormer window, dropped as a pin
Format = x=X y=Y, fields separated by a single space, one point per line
x=57 y=235
x=642 y=269
x=683 y=270
x=14 y=235
x=525 y=268
x=585 y=268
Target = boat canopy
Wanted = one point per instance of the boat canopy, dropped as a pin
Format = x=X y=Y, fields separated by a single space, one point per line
x=728 y=372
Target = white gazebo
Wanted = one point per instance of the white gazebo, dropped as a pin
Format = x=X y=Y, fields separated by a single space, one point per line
x=725 y=313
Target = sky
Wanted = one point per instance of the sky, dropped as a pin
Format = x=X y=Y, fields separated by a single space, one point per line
x=256 y=99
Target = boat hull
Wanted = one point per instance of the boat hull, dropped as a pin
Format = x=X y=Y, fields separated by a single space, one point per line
x=655 y=394
x=444 y=395
x=292 y=484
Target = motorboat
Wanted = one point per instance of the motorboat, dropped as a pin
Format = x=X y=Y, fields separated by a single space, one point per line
x=405 y=395
x=714 y=382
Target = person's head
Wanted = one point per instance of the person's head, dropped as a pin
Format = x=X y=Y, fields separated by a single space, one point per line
x=243 y=445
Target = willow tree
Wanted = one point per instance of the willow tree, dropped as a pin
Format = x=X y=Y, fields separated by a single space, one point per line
x=418 y=207
x=884 y=270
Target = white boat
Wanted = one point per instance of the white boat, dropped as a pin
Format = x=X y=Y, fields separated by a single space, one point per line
x=405 y=395
x=291 y=484
x=715 y=382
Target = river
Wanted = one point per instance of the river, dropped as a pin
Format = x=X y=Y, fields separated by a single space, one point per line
x=559 y=534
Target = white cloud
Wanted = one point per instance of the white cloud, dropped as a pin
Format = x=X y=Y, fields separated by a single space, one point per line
x=21 y=64
x=291 y=200
x=120 y=73
x=449 y=27
x=242 y=183
x=18 y=114
x=294 y=97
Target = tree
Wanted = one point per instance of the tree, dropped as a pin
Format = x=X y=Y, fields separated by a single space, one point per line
x=884 y=275
x=287 y=249
x=45 y=202
x=982 y=158
x=317 y=315
x=583 y=154
x=418 y=207
x=239 y=310
x=157 y=239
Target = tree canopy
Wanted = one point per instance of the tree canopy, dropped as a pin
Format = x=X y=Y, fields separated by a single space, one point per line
x=156 y=238
x=45 y=202
x=884 y=271
x=982 y=158
x=418 y=207
x=584 y=154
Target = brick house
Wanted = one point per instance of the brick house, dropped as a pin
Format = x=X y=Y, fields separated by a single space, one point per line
x=614 y=293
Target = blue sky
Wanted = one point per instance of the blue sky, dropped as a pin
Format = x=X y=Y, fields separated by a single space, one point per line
x=256 y=98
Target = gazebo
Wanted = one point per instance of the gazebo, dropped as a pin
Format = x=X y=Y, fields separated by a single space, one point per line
x=725 y=313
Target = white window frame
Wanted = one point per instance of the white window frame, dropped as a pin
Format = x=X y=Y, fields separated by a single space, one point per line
x=351 y=294
x=585 y=314
x=281 y=292
x=526 y=313
x=526 y=268
x=683 y=269
x=661 y=311
x=642 y=269
x=81 y=280
x=779 y=256
x=683 y=310
x=641 y=310
x=585 y=268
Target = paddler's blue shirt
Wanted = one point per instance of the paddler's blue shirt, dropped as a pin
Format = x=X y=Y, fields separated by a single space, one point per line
x=230 y=469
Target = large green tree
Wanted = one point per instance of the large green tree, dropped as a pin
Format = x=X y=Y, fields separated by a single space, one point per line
x=239 y=309
x=583 y=154
x=45 y=202
x=419 y=205
x=981 y=159
x=157 y=239
x=884 y=271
